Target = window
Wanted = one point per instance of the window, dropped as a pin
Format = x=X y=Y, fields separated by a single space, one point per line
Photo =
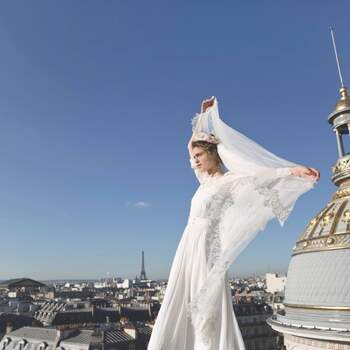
x=22 y=344
x=42 y=346
x=6 y=342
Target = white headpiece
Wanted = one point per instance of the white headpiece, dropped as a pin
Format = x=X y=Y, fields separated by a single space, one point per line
x=202 y=136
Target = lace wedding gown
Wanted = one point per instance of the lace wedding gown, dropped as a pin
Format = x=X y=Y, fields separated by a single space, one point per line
x=197 y=311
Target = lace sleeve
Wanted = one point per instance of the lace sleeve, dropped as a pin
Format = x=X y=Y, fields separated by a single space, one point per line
x=280 y=172
x=275 y=172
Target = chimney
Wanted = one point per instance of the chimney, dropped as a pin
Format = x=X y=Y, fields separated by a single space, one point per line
x=62 y=333
x=123 y=320
x=131 y=330
x=9 y=327
x=59 y=337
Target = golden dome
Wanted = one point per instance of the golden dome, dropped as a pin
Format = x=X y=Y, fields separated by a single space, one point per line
x=330 y=228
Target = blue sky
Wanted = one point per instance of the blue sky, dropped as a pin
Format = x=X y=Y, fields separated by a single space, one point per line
x=96 y=99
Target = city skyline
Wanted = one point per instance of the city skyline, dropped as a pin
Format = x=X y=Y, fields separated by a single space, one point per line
x=96 y=106
x=116 y=276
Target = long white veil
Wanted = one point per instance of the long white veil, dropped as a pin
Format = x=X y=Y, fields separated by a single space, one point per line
x=238 y=152
x=244 y=157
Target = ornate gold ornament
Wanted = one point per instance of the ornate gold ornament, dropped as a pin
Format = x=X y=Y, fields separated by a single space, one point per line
x=330 y=240
x=326 y=219
x=346 y=216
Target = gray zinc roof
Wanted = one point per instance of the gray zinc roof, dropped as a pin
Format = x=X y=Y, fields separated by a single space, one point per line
x=116 y=336
x=81 y=337
x=21 y=282
x=34 y=333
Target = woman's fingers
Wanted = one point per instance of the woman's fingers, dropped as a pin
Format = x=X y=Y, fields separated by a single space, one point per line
x=318 y=172
x=314 y=173
x=207 y=103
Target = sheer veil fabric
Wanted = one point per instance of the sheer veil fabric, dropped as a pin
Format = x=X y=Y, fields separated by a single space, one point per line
x=226 y=214
x=242 y=157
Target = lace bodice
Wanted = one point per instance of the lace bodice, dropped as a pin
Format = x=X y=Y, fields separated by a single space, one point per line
x=212 y=184
x=216 y=194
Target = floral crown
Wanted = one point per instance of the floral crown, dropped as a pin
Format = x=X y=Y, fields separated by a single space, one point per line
x=202 y=136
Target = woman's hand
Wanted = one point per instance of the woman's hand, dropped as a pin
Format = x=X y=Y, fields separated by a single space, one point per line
x=206 y=104
x=303 y=171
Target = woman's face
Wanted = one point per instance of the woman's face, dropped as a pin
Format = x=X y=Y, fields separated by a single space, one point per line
x=204 y=160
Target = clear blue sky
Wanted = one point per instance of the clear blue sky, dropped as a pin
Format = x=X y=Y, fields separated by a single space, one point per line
x=96 y=99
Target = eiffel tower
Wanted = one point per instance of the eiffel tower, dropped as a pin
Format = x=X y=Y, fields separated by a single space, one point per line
x=143 y=272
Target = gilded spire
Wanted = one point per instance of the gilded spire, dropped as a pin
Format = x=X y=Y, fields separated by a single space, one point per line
x=340 y=120
x=330 y=228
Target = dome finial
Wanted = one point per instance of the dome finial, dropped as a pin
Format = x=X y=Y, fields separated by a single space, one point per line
x=344 y=101
x=337 y=58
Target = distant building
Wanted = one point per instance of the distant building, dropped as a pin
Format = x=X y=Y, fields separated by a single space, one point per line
x=127 y=283
x=275 y=283
x=122 y=337
x=65 y=295
x=119 y=340
x=54 y=314
x=19 y=306
x=21 y=287
x=256 y=333
x=11 y=322
x=46 y=339
x=135 y=313
x=19 y=283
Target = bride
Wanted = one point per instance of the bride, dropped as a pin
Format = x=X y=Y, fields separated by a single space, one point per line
x=242 y=187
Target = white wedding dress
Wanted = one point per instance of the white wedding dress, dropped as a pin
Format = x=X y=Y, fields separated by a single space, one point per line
x=227 y=211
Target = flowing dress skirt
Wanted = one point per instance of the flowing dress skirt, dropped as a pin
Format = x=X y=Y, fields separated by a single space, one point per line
x=173 y=329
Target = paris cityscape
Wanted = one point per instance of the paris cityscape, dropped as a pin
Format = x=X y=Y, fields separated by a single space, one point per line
x=116 y=313
x=97 y=105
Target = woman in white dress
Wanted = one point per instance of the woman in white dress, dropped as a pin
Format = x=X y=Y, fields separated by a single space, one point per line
x=242 y=187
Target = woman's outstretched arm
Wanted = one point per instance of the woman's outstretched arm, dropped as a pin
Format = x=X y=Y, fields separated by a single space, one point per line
x=300 y=171
x=204 y=106
x=189 y=146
